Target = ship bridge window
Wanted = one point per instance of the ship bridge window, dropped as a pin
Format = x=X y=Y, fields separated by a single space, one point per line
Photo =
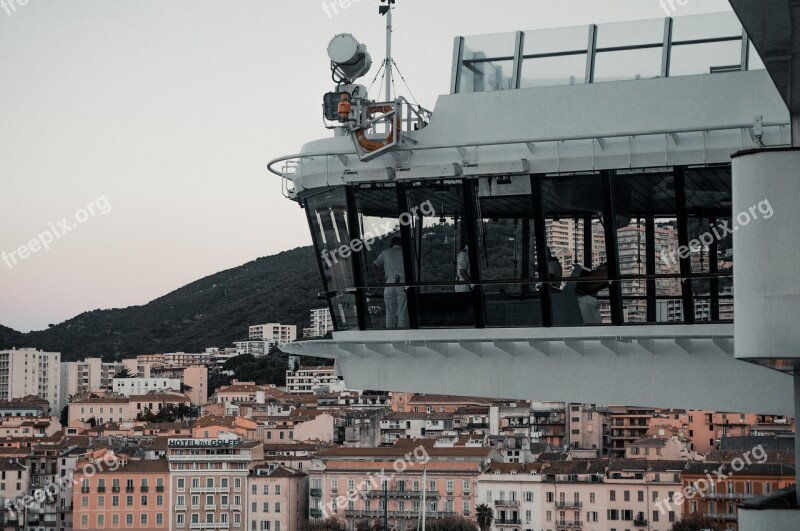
x=442 y=260
x=507 y=252
x=327 y=217
x=603 y=248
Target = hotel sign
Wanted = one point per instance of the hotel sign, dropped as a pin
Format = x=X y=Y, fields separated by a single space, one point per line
x=203 y=443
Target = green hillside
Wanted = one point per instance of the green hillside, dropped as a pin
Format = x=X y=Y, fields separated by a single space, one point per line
x=212 y=312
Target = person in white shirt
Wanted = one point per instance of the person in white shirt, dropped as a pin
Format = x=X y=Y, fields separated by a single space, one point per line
x=462 y=265
x=389 y=265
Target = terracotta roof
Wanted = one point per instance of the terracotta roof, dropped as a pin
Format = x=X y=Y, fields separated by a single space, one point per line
x=141 y=466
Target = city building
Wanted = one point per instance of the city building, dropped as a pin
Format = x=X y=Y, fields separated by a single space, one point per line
x=141 y=386
x=346 y=483
x=208 y=481
x=278 y=499
x=273 y=332
x=132 y=496
x=321 y=323
x=314 y=380
x=28 y=371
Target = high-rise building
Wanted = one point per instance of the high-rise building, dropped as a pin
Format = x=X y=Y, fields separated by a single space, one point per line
x=29 y=371
x=321 y=323
x=279 y=333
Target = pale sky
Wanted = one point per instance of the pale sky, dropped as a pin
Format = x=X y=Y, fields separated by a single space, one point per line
x=164 y=113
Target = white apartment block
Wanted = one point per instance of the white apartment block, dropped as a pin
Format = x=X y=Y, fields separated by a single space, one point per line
x=82 y=376
x=141 y=386
x=279 y=333
x=254 y=348
x=312 y=380
x=29 y=371
x=321 y=323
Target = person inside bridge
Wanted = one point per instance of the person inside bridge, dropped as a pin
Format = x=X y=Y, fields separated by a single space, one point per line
x=389 y=266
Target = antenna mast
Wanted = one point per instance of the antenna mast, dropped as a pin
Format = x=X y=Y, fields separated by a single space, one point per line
x=389 y=62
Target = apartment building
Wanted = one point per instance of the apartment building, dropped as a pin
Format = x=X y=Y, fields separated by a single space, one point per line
x=28 y=371
x=78 y=377
x=278 y=498
x=321 y=323
x=273 y=332
x=133 y=496
x=514 y=492
x=141 y=386
x=14 y=477
x=314 y=380
x=589 y=428
x=175 y=359
x=628 y=424
x=208 y=481
x=346 y=483
x=718 y=499
x=108 y=408
x=634 y=489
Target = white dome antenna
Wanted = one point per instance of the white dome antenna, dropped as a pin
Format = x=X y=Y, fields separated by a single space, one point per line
x=349 y=58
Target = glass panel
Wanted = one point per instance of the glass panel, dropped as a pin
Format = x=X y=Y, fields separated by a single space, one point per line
x=619 y=65
x=541 y=69
x=630 y=33
x=705 y=58
x=710 y=26
x=487 y=62
x=507 y=251
x=382 y=257
x=569 y=200
x=553 y=71
x=669 y=310
x=327 y=214
x=439 y=246
x=627 y=64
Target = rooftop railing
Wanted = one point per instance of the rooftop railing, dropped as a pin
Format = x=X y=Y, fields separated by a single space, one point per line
x=642 y=49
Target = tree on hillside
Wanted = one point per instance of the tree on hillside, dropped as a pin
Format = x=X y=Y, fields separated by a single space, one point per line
x=123 y=373
x=168 y=413
x=485 y=516
x=695 y=522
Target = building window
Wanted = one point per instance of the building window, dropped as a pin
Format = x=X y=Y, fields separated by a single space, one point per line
x=84 y=520
x=159 y=518
x=144 y=518
x=129 y=519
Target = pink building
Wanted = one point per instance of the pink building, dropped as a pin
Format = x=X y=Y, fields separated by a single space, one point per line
x=278 y=498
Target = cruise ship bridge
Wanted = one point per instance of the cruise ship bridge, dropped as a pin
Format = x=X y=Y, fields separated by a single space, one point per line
x=562 y=223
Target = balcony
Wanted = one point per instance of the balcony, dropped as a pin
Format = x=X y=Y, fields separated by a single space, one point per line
x=244 y=458
x=225 y=525
x=101 y=489
x=725 y=495
x=315 y=513
x=210 y=508
x=506 y=503
x=721 y=516
x=159 y=488
x=236 y=507
x=85 y=490
x=569 y=524
x=508 y=521
x=317 y=493
x=640 y=522
x=214 y=490
x=180 y=507
x=144 y=488
x=394 y=493
x=568 y=504
x=361 y=513
x=129 y=488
